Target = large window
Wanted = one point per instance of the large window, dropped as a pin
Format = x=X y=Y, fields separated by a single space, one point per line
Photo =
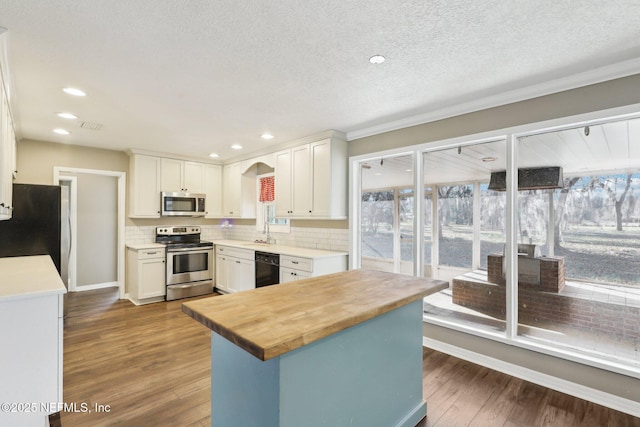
x=583 y=289
x=598 y=228
x=387 y=214
x=492 y=223
x=552 y=217
x=463 y=222
x=455 y=229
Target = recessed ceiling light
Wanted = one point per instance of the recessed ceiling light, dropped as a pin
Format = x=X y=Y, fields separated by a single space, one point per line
x=377 y=59
x=489 y=159
x=214 y=155
x=377 y=174
x=408 y=170
x=266 y=136
x=74 y=91
x=236 y=147
x=60 y=131
x=67 y=115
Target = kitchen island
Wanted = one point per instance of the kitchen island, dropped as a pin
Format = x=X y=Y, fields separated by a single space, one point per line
x=343 y=349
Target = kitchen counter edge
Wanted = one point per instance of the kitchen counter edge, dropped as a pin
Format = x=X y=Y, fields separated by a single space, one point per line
x=276 y=311
x=29 y=277
x=280 y=249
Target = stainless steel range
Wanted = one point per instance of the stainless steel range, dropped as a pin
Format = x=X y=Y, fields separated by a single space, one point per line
x=189 y=262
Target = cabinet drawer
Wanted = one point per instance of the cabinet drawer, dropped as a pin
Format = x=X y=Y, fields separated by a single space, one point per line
x=304 y=264
x=151 y=253
x=247 y=254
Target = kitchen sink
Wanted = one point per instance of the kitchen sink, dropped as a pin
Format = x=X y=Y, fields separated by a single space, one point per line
x=257 y=245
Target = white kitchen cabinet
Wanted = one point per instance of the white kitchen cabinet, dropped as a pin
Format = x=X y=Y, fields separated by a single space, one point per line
x=235 y=269
x=241 y=274
x=296 y=268
x=238 y=192
x=213 y=191
x=283 y=184
x=7 y=157
x=301 y=172
x=293 y=182
x=180 y=175
x=31 y=332
x=144 y=186
x=222 y=273
x=290 y=274
x=150 y=175
x=311 y=180
x=329 y=178
x=146 y=274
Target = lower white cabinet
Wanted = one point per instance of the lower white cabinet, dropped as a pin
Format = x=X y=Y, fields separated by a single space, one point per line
x=31 y=333
x=235 y=266
x=146 y=275
x=291 y=274
x=235 y=269
x=296 y=268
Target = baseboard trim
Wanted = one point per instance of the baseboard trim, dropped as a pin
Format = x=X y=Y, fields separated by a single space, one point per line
x=577 y=390
x=96 y=286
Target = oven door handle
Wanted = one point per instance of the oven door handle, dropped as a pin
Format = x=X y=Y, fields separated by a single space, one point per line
x=194 y=250
x=191 y=285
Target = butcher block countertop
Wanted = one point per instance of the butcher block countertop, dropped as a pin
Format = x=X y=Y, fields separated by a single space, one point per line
x=270 y=321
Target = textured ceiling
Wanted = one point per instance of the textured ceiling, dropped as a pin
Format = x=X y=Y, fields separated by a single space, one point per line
x=195 y=77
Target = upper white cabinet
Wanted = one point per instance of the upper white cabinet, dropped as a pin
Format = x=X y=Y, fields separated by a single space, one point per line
x=180 y=175
x=238 y=192
x=311 y=180
x=144 y=186
x=7 y=157
x=150 y=175
x=213 y=191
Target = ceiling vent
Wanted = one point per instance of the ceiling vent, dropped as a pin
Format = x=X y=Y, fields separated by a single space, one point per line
x=90 y=126
x=529 y=179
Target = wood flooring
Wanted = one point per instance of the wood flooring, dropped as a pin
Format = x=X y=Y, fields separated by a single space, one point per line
x=150 y=366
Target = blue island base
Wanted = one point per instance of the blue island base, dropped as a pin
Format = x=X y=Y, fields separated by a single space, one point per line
x=365 y=376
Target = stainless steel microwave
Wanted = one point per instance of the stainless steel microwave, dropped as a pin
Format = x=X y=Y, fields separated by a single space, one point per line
x=181 y=204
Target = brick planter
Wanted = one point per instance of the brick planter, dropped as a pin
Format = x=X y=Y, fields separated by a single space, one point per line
x=546 y=309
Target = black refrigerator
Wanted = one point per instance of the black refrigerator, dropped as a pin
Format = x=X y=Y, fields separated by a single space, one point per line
x=34 y=228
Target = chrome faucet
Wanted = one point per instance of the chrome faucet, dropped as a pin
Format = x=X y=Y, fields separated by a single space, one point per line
x=265 y=230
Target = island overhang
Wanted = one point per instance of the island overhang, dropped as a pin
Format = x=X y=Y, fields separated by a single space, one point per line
x=268 y=322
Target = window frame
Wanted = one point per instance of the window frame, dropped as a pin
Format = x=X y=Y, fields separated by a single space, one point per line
x=273 y=228
x=511 y=135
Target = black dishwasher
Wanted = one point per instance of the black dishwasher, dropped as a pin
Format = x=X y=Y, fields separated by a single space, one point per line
x=267 y=269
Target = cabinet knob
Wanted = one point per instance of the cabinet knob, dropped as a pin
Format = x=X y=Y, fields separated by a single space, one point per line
x=309 y=211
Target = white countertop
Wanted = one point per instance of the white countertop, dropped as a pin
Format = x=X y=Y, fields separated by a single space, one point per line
x=29 y=276
x=280 y=249
x=143 y=246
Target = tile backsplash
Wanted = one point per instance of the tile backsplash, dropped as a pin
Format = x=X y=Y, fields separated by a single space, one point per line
x=334 y=239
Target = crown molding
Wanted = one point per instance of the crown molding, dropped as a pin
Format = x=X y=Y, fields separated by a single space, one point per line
x=586 y=78
x=289 y=144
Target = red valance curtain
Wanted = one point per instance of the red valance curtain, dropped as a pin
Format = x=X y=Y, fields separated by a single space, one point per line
x=267 y=189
